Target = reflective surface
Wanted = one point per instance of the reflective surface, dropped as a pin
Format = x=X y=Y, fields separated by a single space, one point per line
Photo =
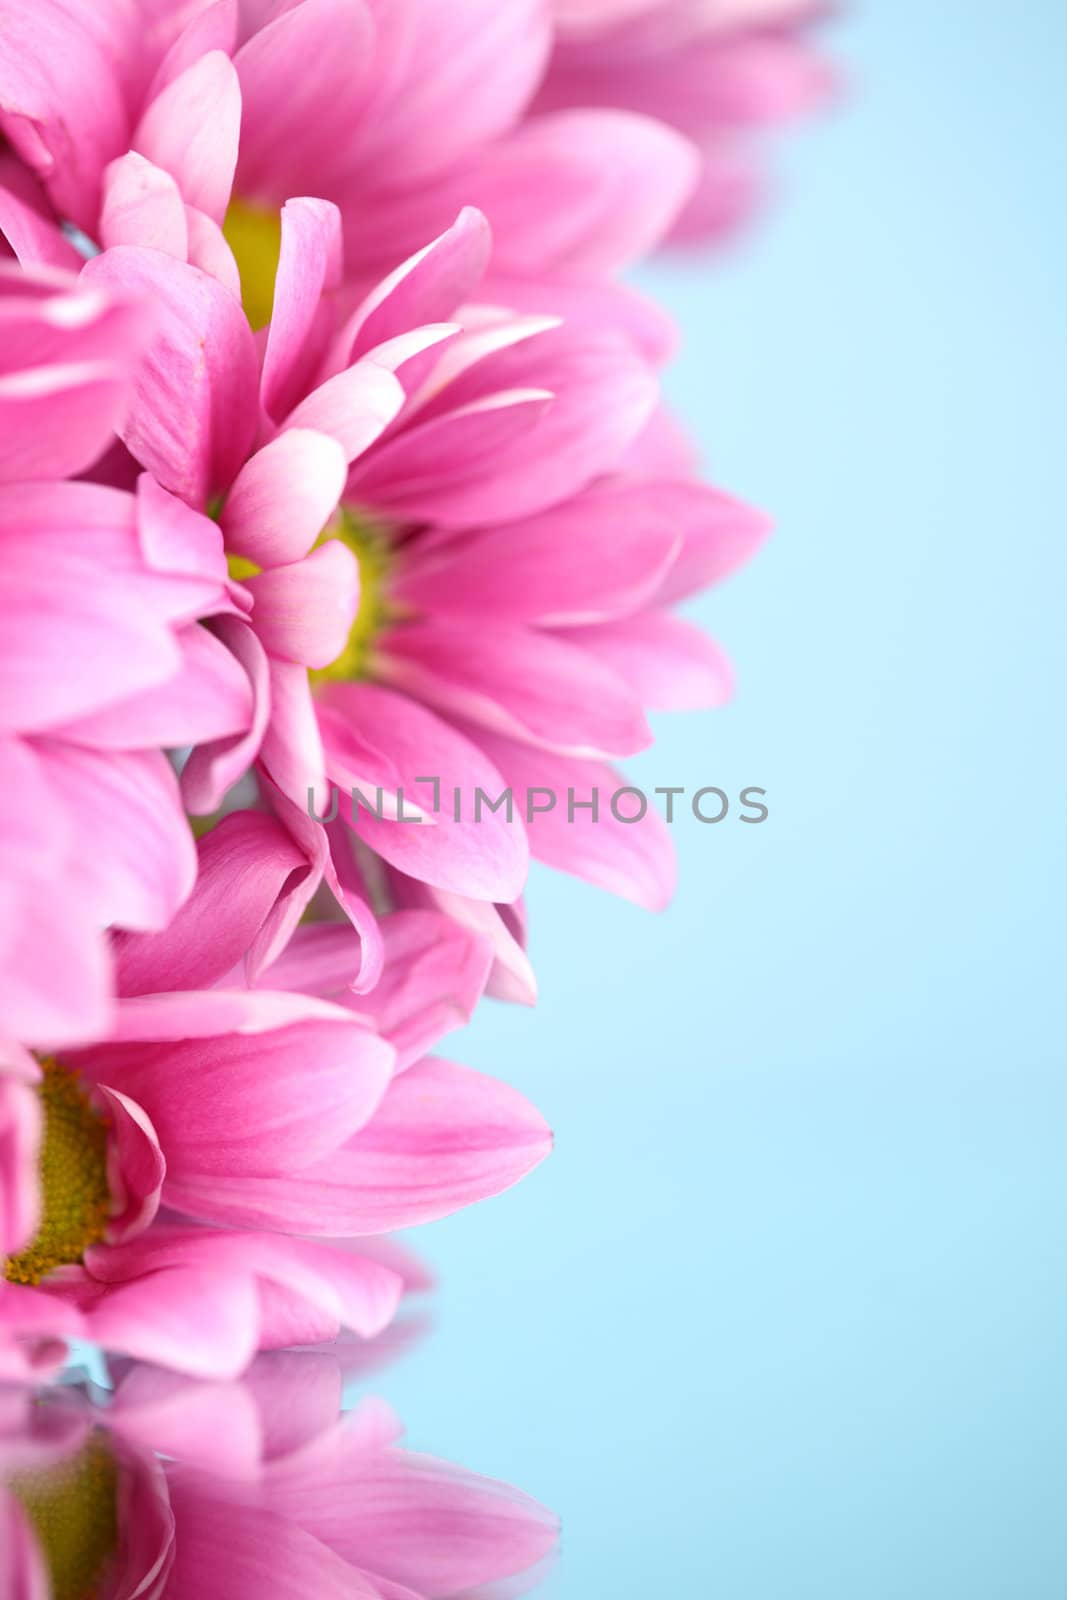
x=166 y=1486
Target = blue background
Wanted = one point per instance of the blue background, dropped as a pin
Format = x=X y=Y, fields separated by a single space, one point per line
x=785 y=1314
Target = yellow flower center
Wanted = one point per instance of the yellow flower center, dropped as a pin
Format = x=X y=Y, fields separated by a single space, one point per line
x=75 y=1195
x=72 y=1510
x=370 y=546
x=254 y=234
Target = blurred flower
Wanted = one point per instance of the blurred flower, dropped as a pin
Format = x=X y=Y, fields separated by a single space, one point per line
x=179 y=1490
x=720 y=71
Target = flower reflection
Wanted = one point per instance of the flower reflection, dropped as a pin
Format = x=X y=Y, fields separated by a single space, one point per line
x=167 y=1487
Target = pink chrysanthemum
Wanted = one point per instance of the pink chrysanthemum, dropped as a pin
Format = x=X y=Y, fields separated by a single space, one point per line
x=181 y=1490
x=417 y=597
x=162 y=1192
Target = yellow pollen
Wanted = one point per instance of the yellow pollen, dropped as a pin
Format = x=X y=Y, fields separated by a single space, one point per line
x=241 y=568
x=72 y=1510
x=75 y=1196
x=370 y=546
x=254 y=234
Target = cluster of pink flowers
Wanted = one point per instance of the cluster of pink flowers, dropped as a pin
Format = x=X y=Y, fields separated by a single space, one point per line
x=332 y=465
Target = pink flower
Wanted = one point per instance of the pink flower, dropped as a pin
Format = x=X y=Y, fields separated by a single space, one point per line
x=719 y=73
x=183 y=1490
x=407 y=533
x=102 y=660
x=400 y=110
x=164 y=1192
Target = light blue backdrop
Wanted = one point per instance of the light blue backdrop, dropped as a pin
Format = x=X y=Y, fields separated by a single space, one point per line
x=785 y=1314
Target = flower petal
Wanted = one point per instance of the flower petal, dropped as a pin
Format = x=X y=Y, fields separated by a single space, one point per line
x=284 y=496
x=194 y=409
x=530 y=685
x=670 y=664
x=309 y=264
x=248 y=886
x=191 y=130
x=631 y=859
x=487 y=858
x=304 y=612
x=442 y=1138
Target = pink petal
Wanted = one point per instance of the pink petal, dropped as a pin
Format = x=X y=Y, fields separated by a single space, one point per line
x=194 y=408
x=512 y=976
x=435 y=972
x=33 y=1331
x=631 y=859
x=426 y=288
x=213 y=768
x=212 y=1425
x=442 y=1138
x=179 y=541
x=27 y=221
x=484 y=331
x=720 y=535
x=191 y=130
x=51 y=621
x=209 y=698
x=413 y=355
x=143 y=205
x=204 y=1014
x=355 y=407
x=136 y=861
x=62 y=103
x=574 y=195
x=199 y=1322
x=209 y=250
x=612 y=307
x=23 y=1569
x=669 y=664
x=231 y=1550
x=301 y=87
x=602 y=396
x=338 y=869
x=21 y=1129
x=356 y=1292
x=293 y=752
x=284 y=496
x=602 y=554
x=66 y=359
x=304 y=612
x=248 y=886
x=309 y=264
x=422 y=1522
x=136 y=1166
x=584 y=193
x=485 y=859
x=242 y=1108
x=187 y=32
x=55 y=978
x=517 y=681
x=35 y=822
x=53 y=415
x=412 y=474
x=448 y=81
